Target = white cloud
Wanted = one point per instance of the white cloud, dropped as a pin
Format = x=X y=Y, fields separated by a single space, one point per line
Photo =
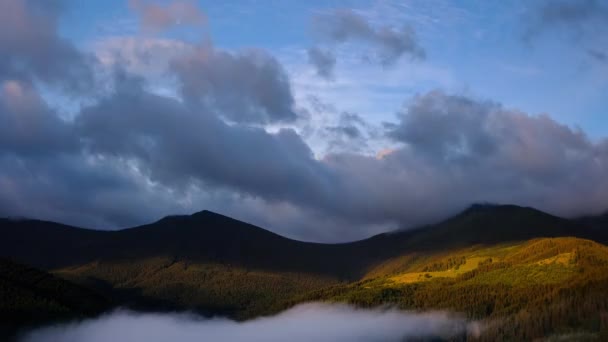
x=308 y=322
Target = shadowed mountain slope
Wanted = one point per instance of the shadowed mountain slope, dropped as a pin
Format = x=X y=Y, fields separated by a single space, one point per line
x=31 y=296
x=217 y=265
x=211 y=237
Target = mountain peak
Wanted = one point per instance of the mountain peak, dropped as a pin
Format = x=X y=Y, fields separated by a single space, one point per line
x=484 y=207
x=207 y=213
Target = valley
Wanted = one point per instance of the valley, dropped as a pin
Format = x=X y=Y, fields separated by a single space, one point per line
x=535 y=275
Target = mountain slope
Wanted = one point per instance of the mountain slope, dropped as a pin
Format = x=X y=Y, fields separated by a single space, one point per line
x=216 y=264
x=519 y=291
x=210 y=237
x=31 y=296
x=202 y=237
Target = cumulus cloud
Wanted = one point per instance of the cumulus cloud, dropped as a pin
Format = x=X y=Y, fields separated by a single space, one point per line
x=31 y=48
x=341 y=26
x=222 y=140
x=250 y=86
x=308 y=322
x=156 y=17
x=524 y=159
x=28 y=125
x=175 y=145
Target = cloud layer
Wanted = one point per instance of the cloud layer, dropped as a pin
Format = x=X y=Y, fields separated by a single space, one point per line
x=308 y=322
x=227 y=135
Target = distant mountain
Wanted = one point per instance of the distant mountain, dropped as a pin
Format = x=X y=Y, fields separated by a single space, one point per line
x=201 y=237
x=215 y=264
x=209 y=237
x=488 y=224
x=599 y=222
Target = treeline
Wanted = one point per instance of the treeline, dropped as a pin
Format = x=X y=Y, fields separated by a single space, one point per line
x=169 y=284
x=450 y=263
x=29 y=296
x=566 y=301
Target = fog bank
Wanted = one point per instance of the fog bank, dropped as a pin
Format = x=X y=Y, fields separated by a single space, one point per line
x=307 y=322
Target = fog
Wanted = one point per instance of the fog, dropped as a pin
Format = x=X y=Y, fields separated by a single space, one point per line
x=308 y=322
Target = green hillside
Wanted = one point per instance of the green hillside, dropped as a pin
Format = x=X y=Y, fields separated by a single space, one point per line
x=519 y=291
x=209 y=288
x=522 y=272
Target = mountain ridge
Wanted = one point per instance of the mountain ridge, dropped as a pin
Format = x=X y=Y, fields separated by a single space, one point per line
x=214 y=264
x=208 y=236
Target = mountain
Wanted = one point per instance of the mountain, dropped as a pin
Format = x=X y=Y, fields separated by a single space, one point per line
x=201 y=237
x=211 y=237
x=519 y=291
x=217 y=265
x=29 y=296
x=599 y=222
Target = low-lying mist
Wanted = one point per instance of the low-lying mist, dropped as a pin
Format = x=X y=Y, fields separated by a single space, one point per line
x=307 y=322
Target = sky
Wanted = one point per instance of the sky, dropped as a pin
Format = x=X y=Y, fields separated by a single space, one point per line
x=319 y=120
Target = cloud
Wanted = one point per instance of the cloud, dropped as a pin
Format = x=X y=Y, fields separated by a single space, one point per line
x=308 y=322
x=502 y=155
x=249 y=86
x=174 y=144
x=584 y=22
x=345 y=25
x=30 y=47
x=323 y=61
x=28 y=125
x=227 y=136
x=156 y=17
x=349 y=134
x=568 y=12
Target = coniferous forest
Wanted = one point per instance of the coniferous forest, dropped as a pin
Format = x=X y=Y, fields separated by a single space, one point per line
x=550 y=281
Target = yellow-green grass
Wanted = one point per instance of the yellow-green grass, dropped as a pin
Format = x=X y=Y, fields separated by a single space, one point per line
x=413 y=277
x=545 y=260
x=562 y=258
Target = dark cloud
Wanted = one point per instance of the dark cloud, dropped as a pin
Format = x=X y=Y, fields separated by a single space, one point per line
x=79 y=189
x=248 y=87
x=447 y=126
x=323 y=61
x=132 y=155
x=175 y=144
x=389 y=44
x=489 y=153
x=31 y=48
x=28 y=125
x=308 y=322
x=584 y=23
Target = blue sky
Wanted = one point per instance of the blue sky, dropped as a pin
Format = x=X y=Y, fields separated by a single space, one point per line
x=476 y=47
